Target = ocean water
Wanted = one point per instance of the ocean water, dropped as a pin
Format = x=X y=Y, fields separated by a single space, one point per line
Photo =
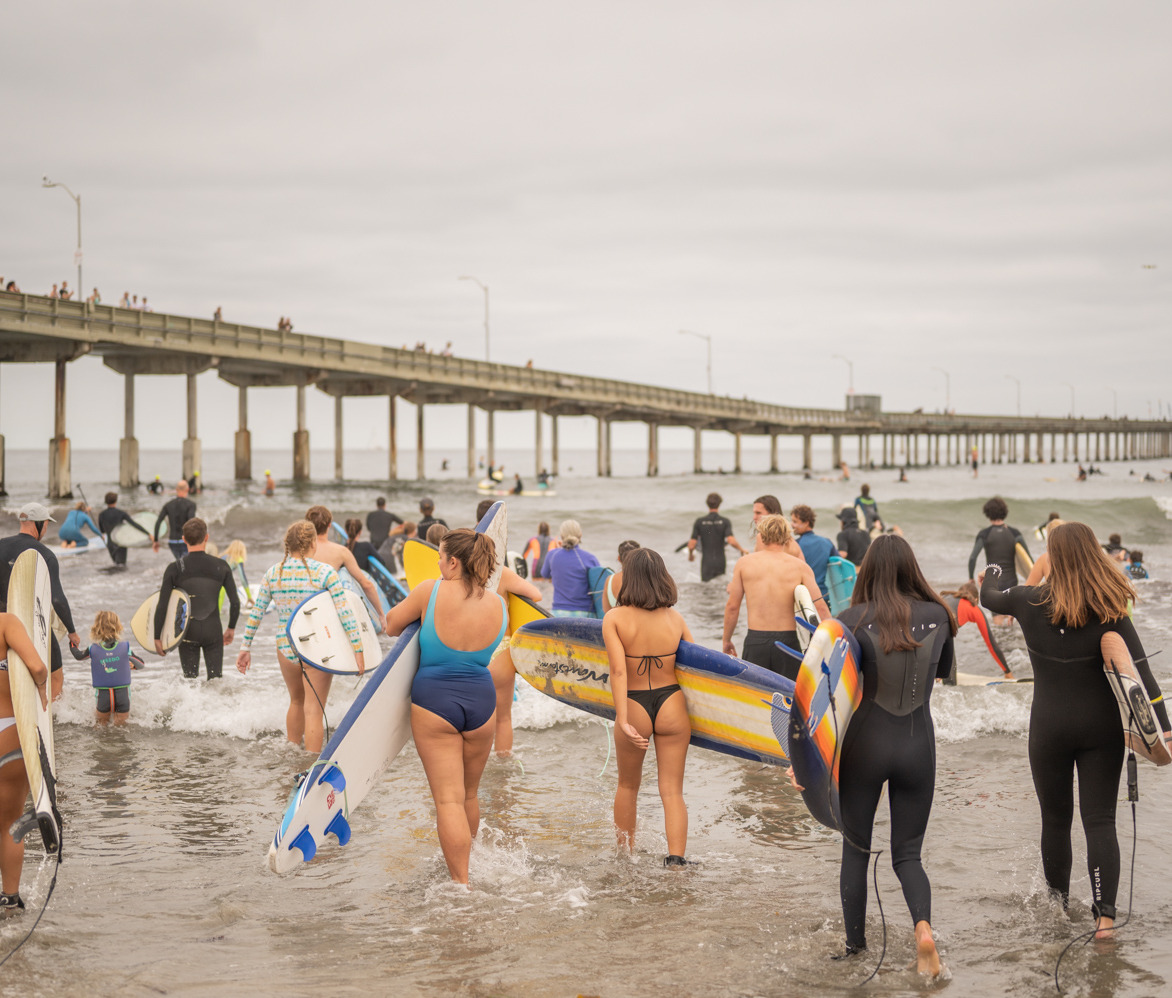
x=164 y=886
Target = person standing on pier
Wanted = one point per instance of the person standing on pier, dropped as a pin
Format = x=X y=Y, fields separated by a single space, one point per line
x=176 y=512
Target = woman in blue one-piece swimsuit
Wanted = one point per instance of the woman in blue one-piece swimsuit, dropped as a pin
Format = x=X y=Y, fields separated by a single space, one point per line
x=453 y=699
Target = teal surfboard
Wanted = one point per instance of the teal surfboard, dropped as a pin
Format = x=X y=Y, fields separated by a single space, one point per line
x=840 y=584
x=596 y=579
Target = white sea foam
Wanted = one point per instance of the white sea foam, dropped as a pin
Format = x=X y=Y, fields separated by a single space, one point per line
x=963 y=713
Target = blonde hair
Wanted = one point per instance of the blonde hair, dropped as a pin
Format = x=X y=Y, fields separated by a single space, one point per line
x=106 y=628
x=571 y=533
x=300 y=539
x=236 y=554
x=774 y=529
x=1083 y=584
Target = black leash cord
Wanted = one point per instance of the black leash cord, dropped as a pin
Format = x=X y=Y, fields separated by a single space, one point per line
x=52 y=884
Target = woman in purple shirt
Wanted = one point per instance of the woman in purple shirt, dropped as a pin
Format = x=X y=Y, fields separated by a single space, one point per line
x=567 y=566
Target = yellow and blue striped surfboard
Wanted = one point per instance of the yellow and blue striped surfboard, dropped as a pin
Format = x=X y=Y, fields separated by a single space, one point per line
x=729 y=700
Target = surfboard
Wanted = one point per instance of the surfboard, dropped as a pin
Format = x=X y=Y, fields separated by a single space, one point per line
x=817 y=717
x=29 y=600
x=95 y=544
x=124 y=535
x=1022 y=561
x=522 y=611
x=524 y=493
x=804 y=608
x=840 y=583
x=518 y=564
x=320 y=640
x=142 y=624
x=972 y=679
x=596 y=577
x=391 y=588
x=374 y=615
x=495 y=524
x=729 y=700
x=374 y=730
x=420 y=561
x=1141 y=727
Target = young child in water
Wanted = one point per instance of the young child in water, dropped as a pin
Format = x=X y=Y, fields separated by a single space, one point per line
x=1135 y=569
x=110 y=663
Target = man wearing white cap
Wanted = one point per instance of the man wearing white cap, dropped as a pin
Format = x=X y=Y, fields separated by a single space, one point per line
x=34 y=519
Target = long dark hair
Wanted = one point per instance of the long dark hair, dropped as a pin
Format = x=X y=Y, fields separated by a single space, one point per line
x=889 y=581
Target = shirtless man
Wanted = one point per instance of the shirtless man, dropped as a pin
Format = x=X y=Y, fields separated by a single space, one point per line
x=765 y=580
x=338 y=556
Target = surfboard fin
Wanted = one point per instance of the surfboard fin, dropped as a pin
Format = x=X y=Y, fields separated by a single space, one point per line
x=305 y=843
x=334 y=777
x=806 y=624
x=340 y=828
x=799 y=655
x=31 y=820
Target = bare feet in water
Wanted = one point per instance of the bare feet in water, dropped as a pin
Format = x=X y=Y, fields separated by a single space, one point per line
x=1105 y=929
x=927 y=959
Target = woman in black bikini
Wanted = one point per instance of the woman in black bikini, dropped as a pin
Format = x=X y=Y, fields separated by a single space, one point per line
x=642 y=634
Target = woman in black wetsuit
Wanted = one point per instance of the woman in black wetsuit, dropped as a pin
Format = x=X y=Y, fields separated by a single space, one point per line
x=1075 y=720
x=642 y=634
x=905 y=637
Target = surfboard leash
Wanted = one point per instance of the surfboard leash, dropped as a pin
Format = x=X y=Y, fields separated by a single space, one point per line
x=32 y=929
x=1133 y=727
x=324 y=718
x=846 y=838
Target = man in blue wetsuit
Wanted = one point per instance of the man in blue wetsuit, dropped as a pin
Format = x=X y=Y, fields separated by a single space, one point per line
x=816 y=550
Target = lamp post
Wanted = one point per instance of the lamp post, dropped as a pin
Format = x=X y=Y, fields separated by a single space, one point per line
x=1115 y=400
x=1017 y=382
x=484 y=288
x=850 y=366
x=947 y=389
x=1071 y=387
x=708 y=338
x=46 y=182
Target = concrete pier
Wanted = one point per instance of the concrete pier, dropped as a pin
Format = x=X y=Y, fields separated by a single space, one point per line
x=392 y=443
x=553 y=446
x=128 y=445
x=652 y=450
x=192 y=449
x=420 y=472
x=243 y=441
x=60 y=475
x=338 y=474
x=538 y=443
x=301 y=441
x=472 y=442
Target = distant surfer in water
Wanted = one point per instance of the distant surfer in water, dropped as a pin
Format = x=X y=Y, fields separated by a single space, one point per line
x=905 y=635
x=453 y=701
x=642 y=634
x=712 y=532
x=13 y=777
x=1074 y=719
x=999 y=543
x=108 y=519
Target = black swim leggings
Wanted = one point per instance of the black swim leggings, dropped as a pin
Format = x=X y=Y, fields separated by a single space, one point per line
x=1087 y=735
x=900 y=751
x=206 y=635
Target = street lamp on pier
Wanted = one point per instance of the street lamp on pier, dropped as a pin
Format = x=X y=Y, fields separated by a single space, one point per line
x=46 y=182
x=1071 y=387
x=947 y=389
x=850 y=366
x=484 y=288
x=707 y=337
x=1016 y=381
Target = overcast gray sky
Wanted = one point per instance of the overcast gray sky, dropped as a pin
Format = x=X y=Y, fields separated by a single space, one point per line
x=913 y=185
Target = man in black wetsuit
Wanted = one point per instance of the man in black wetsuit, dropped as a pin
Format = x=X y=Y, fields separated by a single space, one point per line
x=34 y=518
x=108 y=519
x=712 y=531
x=201 y=576
x=379 y=522
x=176 y=512
x=427 y=508
x=155 y=488
x=999 y=542
x=852 y=540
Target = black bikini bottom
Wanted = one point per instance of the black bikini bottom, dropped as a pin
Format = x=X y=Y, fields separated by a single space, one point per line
x=652 y=700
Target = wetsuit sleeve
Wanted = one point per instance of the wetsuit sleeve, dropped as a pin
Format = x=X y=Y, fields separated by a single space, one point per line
x=947 y=657
x=60 y=603
x=337 y=593
x=1126 y=630
x=135 y=660
x=127 y=518
x=995 y=599
x=78 y=652
x=1017 y=536
x=978 y=547
x=169 y=577
x=264 y=597
x=229 y=586
x=696 y=531
x=969 y=614
x=160 y=519
x=89 y=521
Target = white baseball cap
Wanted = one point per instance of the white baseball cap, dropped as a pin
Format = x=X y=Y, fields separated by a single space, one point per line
x=35 y=511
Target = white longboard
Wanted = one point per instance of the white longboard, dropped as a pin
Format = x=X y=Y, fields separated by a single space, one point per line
x=374 y=730
x=124 y=535
x=142 y=624
x=495 y=524
x=29 y=599
x=320 y=640
x=805 y=610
